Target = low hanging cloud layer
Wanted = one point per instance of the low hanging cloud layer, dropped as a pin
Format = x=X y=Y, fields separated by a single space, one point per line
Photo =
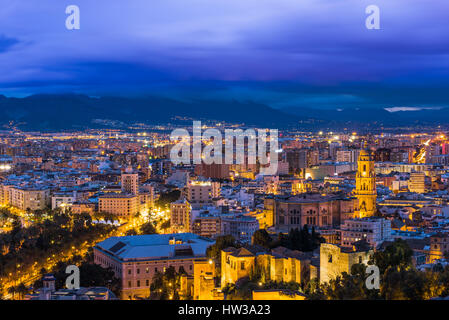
x=280 y=52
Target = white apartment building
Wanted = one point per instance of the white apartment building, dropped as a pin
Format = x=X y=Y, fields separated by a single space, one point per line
x=240 y=227
x=26 y=198
x=374 y=230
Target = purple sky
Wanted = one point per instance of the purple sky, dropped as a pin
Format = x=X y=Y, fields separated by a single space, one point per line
x=281 y=52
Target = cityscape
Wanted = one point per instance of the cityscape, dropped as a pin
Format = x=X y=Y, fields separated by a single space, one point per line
x=209 y=154
x=137 y=226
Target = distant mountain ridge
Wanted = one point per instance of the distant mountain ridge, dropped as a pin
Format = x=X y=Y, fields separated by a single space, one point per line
x=51 y=112
x=58 y=112
x=375 y=116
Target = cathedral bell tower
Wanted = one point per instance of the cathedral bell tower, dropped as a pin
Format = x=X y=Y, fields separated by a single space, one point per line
x=365 y=185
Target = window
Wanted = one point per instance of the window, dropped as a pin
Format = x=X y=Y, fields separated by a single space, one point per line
x=129 y=271
x=147 y=283
x=129 y=284
x=138 y=283
x=360 y=259
x=242 y=266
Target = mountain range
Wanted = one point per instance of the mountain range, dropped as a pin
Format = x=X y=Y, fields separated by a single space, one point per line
x=50 y=112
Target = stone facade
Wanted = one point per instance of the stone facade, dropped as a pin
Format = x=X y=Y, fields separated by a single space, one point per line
x=334 y=260
x=280 y=265
x=313 y=210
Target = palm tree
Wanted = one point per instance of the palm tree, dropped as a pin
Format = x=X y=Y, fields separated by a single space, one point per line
x=22 y=290
x=229 y=289
x=12 y=290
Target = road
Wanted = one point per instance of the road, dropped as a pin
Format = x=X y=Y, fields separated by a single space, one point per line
x=29 y=276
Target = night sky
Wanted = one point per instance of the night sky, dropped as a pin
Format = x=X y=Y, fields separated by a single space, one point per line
x=315 y=53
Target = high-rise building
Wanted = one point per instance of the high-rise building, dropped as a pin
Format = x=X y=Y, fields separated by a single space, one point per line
x=130 y=182
x=344 y=156
x=180 y=219
x=298 y=159
x=365 y=185
x=333 y=147
x=348 y=155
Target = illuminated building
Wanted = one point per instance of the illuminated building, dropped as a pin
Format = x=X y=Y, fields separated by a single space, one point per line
x=130 y=182
x=63 y=201
x=439 y=246
x=200 y=193
x=240 y=227
x=374 y=230
x=347 y=155
x=27 y=198
x=311 y=209
x=83 y=207
x=334 y=259
x=298 y=159
x=135 y=259
x=236 y=264
x=180 y=218
x=204 y=287
x=280 y=265
x=417 y=182
x=122 y=205
x=207 y=226
x=365 y=185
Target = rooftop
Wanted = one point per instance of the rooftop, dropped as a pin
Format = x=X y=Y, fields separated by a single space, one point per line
x=155 y=246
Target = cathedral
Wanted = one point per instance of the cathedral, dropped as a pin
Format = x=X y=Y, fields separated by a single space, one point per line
x=365 y=185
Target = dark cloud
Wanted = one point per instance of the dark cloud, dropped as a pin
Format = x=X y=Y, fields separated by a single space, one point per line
x=6 y=43
x=285 y=53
